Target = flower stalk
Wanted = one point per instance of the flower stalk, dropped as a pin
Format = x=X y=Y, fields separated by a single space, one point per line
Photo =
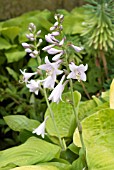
x=79 y=126
x=52 y=116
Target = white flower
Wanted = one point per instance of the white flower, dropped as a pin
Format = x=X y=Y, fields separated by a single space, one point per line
x=51 y=39
x=55 y=33
x=40 y=130
x=77 y=72
x=55 y=96
x=49 y=82
x=76 y=48
x=57 y=56
x=54 y=51
x=26 y=45
x=52 y=72
x=34 y=86
x=26 y=76
x=48 y=47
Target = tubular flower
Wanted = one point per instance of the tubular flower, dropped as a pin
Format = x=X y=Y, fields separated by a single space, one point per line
x=26 y=76
x=52 y=72
x=55 y=96
x=76 y=48
x=77 y=72
x=34 y=86
x=40 y=130
x=51 y=39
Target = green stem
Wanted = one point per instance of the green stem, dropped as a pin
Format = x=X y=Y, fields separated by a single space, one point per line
x=52 y=116
x=79 y=126
x=76 y=115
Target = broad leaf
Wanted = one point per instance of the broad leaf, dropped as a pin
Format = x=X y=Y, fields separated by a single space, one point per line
x=63 y=115
x=33 y=151
x=14 y=55
x=98 y=134
x=36 y=167
x=21 y=122
x=12 y=73
x=10 y=32
x=4 y=44
x=112 y=95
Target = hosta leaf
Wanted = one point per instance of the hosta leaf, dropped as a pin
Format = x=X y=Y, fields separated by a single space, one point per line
x=14 y=55
x=75 y=18
x=98 y=134
x=105 y=96
x=36 y=167
x=33 y=151
x=12 y=73
x=21 y=122
x=112 y=95
x=4 y=44
x=10 y=32
x=64 y=116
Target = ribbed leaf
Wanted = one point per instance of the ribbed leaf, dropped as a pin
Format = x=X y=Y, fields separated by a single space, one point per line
x=4 y=44
x=36 y=167
x=33 y=151
x=98 y=133
x=64 y=116
x=21 y=122
x=14 y=55
x=112 y=95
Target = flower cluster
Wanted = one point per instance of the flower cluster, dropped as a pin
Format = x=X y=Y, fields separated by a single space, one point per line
x=57 y=49
x=51 y=69
x=32 y=48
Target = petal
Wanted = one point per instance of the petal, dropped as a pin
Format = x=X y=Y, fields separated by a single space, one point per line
x=71 y=75
x=54 y=51
x=49 y=38
x=49 y=82
x=57 y=57
x=55 y=33
x=83 y=77
x=76 y=48
x=48 y=47
x=72 y=66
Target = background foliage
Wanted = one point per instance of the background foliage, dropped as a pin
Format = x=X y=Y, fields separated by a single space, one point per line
x=21 y=111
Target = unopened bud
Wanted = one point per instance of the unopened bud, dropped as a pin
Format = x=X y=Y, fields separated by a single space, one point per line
x=30 y=36
x=52 y=28
x=35 y=52
x=32 y=55
x=56 y=24
x=38 y=33
x=25 y=45
x=28 y=50
x=32 y=27
x=55 y=33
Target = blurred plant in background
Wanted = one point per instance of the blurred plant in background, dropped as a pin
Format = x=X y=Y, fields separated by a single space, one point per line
x=99 y=30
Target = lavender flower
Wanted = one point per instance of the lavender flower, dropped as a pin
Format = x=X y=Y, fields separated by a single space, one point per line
x=77 y=72
x=26 y=76
x=52 y=72
x=76 y=48
x=34 y=86
x=40 y=130
x=55 y=96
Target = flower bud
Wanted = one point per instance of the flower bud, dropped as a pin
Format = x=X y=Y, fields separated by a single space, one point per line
x=52 y=28
x=55 y=33
x=35 y=52
x=32 y=27
x=38 y=32
x=56 y=24
x=28 y=50
x=32 y=55
x=25 y=45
